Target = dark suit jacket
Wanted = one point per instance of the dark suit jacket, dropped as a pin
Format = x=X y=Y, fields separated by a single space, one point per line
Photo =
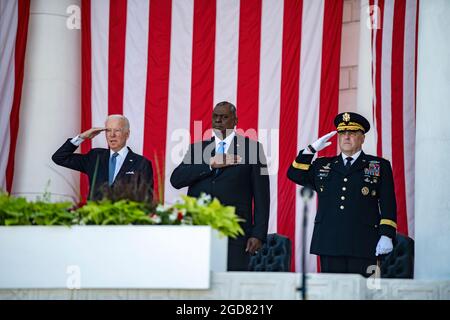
x=244 y=186
x=136 y=172
x=354 y=207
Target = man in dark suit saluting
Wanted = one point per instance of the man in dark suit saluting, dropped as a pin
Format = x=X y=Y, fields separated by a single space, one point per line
x=233 y=169
x=109 y=168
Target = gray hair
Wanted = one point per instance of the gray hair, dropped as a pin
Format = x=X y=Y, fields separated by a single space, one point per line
x=119 y=116
x=229 y=105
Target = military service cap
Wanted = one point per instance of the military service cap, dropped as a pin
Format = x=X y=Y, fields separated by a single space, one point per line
x=351 y=121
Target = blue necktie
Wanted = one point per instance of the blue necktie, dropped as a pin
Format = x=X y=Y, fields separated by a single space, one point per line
x=112 y=167
x=220 y=150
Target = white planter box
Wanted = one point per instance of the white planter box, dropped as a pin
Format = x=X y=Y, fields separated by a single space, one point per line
x=157 y=257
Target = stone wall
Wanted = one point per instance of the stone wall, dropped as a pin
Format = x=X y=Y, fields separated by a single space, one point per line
x=348 y=80
x=261 y=286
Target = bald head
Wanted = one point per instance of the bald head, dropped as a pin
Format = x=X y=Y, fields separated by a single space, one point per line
x=224 y=118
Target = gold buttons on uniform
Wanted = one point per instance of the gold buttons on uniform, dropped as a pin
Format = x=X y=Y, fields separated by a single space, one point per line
x=342 y=198
x=342 y=207
x=344 y=188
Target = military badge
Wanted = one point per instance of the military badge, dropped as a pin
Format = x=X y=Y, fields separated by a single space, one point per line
x=346 y=117
x=373 y=169
x=365 y=191
x=374 y=193
x=324 y=171
x=322 y=175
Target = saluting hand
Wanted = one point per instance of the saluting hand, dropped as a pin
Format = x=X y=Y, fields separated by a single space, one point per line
x=224 y=160
x=322 y=142
x=91 y=133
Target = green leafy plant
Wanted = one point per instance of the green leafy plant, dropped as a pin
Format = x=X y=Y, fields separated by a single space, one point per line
x=106 y=212
x=169 y=215
x=207 y=211
x=189 y=211
x=18 y=211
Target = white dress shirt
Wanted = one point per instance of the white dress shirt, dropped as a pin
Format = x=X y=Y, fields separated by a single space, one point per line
x=77 y=140
x=355 y=156
x=228 y=140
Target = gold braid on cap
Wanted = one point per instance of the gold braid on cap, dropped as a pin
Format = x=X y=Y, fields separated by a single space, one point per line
x=350 y=126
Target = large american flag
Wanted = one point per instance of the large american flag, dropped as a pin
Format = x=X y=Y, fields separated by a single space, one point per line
x=14 y=16
x=394 y=60
x=165 y=63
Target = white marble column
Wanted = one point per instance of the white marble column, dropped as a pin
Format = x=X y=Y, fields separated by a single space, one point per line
x=432 y=198
x=50 y=109
x=365 y=92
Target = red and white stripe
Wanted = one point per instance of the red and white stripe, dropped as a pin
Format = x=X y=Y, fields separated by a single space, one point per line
x=14 y=16
x=165 y=64
x=394 y=76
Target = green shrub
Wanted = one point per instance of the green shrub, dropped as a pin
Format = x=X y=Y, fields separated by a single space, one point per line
x=191 y=211
x=205 y=211
x=18 y=211
x=121 y=212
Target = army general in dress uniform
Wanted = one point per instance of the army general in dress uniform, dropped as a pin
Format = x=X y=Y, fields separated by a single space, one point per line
x=356 y=215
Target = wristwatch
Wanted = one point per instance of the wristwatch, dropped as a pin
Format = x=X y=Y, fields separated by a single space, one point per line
x=311 y=149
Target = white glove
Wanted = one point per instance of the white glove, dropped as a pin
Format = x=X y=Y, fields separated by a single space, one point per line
x=384 y=246
x=322 y=142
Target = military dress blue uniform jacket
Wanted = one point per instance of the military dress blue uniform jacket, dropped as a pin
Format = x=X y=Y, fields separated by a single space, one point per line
x=355 y=207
